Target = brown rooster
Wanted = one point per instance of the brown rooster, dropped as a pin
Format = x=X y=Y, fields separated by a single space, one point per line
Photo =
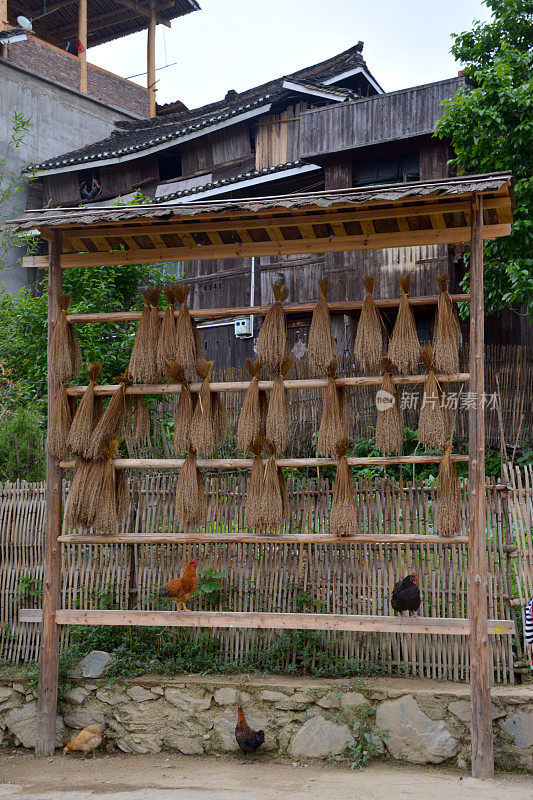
x=87 y=740
x=247 y=739
x=182 y=589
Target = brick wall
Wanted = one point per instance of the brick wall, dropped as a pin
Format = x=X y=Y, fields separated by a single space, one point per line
x=50 y=62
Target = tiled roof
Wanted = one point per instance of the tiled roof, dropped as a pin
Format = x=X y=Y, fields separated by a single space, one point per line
x=137 y=135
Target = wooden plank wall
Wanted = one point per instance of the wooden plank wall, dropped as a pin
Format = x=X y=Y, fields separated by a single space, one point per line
x=277 y=137
x=338 y=578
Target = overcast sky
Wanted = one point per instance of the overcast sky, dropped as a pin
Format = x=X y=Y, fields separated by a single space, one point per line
x=236 y=44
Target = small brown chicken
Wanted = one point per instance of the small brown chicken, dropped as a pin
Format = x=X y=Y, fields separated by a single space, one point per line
x=182 y=589
x=87 y=740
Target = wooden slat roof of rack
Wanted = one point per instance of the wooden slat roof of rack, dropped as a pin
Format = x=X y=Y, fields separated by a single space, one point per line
x=371 y=217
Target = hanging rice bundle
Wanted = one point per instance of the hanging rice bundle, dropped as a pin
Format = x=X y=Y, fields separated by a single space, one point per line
x=320 y=342
x=76 y=507
x=85 y=417
x=252 y=511
x=447 y=335
x=111 y=423
x=184 y=410
x=448 y=496
x=202 y=429
x=431 y=423
x=166 y=344
x=249 y=425
x=272 y=339
x=344 y=412
x=368 y=345
x=284 y=494
x=143 y=359
x=219 y=417
x=389 y=430
x=155 y=327
x=186 y=341
x=141 y=419
x=191 y=509
x=65 y=354
x=342 y=518
x=101 y=491
x=57 y=438
x=404 y=347
x=263 y=411
x=277 y=421
x=198 y=346
x=331 y=426
x=271 y=502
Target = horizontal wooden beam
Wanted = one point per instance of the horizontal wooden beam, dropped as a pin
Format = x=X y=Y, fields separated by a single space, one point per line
x=340 y=307
x=327 y=244
x=259 y=538
x=255 y=620
x=242 y=386
x=246 y=463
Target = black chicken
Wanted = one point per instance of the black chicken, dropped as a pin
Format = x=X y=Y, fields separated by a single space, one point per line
x=247 y=739
x=406 y=594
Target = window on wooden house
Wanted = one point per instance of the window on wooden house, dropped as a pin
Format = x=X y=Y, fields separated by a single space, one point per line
x=90 y=185
x=388 y=169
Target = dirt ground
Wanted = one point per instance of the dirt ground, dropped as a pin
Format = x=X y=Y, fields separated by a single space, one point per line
x=174 y=777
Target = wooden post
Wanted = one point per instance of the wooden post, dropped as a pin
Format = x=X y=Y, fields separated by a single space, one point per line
x=82 y=36
x=47 y=702
x=3 y=26
x=481 y=723
x=150 y=58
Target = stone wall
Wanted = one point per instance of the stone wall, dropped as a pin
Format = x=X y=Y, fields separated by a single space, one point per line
x=428 y=722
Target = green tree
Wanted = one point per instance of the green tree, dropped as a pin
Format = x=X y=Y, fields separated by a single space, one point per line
x=490 y=125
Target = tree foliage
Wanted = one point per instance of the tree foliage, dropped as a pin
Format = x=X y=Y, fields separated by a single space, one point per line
x=490 y=125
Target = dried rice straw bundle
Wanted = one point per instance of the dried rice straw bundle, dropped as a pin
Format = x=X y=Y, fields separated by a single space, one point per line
x=404 y=347
x=389 y=431
x=101 y=491
x=184 y=410
x=331 y=425
x=185 y=352
x=447 y=335
x=111 y=423
x=191 y=509
x=448 y=496
x=270 y=502
x=141 y=419
x=368 y=345
x=252 y=511
x=249 y=425
x=57 y=438
x=344 y=411
x=198 y=346
x=166 y=344
x=142 y=366
x=272 y=338
x=75 y=506
x=431 y=423
x=277 y=421
x=65 y=354
x=155 y=327
x=263 y=411
x=84 y=419
x=320 y=342
x=219 y=417
x=284 y=493
x=342 y=517
x=202 y=428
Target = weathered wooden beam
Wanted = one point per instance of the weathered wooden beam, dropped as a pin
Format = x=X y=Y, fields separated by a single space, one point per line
x=82 y=36
x=340 y=307
x=48 y=660
x=481 y=719
x=327 y=244
x=259 y=538
x=150 y=59
x=257 y=620
x=242 y=386
x=246 y=463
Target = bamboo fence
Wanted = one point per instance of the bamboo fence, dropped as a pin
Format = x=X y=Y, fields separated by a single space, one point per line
x=355 y=578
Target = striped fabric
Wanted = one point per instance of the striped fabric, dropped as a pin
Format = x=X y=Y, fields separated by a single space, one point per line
x=528 y=630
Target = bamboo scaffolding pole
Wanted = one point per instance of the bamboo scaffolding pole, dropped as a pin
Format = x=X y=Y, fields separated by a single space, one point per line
x=341 y=307
x=257 y=620
x=246 y=463
x=259 y=538
x=242 y=386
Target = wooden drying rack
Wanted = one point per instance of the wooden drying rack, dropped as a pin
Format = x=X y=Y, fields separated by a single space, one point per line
x=443 y=211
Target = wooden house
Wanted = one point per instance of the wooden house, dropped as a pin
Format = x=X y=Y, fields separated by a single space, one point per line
x=328 y=126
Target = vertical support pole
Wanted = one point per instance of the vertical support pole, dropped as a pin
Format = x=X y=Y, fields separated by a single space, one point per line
x=3 y=26
x=481 y=724
x=82 y=36
x=48 y=661
x=150 y=59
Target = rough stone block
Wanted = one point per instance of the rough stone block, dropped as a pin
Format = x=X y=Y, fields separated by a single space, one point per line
x=413 y=736
x=92 y=666
x=320 y=737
